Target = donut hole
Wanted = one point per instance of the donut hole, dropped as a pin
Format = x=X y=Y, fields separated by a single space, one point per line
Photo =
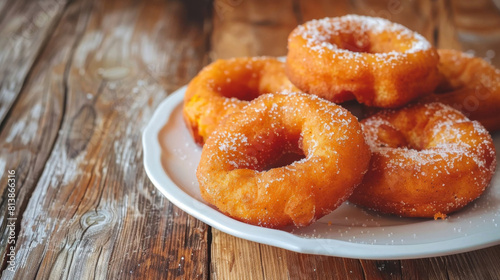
x=352 y=42
x=284 y=151
x=286 y=158
x=415 y=143
x=367 y=42
x=401 y=137
x=248 y=82
x=392 y=138
x=243 y=87
x=279 y=149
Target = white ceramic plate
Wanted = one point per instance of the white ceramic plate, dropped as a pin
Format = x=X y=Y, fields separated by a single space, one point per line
x=171 y=158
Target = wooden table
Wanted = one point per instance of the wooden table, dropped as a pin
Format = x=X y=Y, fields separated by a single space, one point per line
x=80 y=79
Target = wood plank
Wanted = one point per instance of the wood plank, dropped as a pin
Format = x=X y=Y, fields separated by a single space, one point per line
x=307 y=11
x=415 y=15
x=303 y=266
x=477 y=28
x=93 y=212
x=278 y=264
x=29 y=133
x=444 y=29
x=24 y=26
x=476 y=265
x=233 y=258
x=428 y=268
x=251 y=28
x=5 y=5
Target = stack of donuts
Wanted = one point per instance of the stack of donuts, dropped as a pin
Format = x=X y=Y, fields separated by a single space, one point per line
x=280 y=149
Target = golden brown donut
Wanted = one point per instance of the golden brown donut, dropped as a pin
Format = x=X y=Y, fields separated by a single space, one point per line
x=373 y=60
x=427 y=159
x=241 y=169
x=470 y=85
x=226 y=86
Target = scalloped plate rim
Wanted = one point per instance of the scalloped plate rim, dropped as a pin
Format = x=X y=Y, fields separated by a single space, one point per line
x=279 y=238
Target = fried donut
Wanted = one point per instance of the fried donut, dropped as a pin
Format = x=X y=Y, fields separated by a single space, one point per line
x=470 y=85
x=242 y=172
x=372 y=60
x=427 y=159
x=226 y=86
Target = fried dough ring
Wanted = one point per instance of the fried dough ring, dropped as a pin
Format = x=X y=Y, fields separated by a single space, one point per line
x=375 y=61
x=236 y=171
x=427 y=159
x=470 y=85
x=226 y=86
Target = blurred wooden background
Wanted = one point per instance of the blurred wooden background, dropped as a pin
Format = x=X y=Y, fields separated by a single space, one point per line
x=261 y=27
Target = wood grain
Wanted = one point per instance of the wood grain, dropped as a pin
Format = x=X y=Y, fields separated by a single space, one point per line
x=445 y=35
x=28 y=135
x=78 y=83
x=93 y=213
x=246 y=28
x=5 y=5
x=477 y=28
x=24 y=27
x=233 y=258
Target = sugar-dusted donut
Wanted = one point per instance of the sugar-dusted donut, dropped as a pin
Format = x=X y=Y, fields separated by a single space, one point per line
x=226 y=86
x=242 y=172
x=470 y=85
x=372 y=60
x=427 y=160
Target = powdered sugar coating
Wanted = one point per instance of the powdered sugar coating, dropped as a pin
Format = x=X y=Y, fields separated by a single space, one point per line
x=377 y=62
x=234 y=172
x=427 y=159
x=470 y=85
x=226 y=86
x=320 y=34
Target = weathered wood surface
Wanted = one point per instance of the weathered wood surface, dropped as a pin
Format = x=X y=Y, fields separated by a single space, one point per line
x=86 y=207
x=77 y=92
x=24 y=27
